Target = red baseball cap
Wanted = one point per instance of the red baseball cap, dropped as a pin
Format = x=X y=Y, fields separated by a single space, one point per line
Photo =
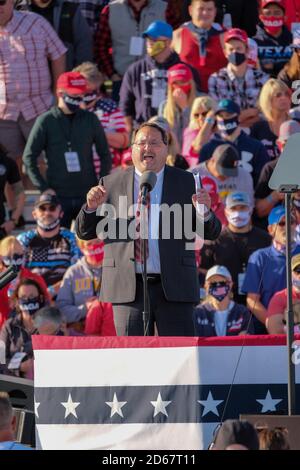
x=236 y=33
x=72 y=82
x=179 y=72
x=280 y=3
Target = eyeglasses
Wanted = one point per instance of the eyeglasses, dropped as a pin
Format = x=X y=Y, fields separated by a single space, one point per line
x=153 y=143
x=50 y=208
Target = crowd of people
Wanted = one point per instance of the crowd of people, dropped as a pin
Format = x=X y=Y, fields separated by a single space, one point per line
x=216 y=84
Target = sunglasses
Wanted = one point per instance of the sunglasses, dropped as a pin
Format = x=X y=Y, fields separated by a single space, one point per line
x=297 y=270
x=279 y=94
x=196 y=115
x=282 y=223
x=50 y=208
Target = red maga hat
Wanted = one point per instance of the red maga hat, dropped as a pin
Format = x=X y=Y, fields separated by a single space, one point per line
x=72 y=82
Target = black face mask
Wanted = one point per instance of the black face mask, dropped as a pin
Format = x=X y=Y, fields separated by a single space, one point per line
x=227 y=126
x=237 y=58
x=31 y=306
x=72 y=102
x=219 y=290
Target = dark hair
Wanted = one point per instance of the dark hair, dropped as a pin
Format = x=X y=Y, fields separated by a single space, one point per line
x=205 y=1
x=48 y=313
x=164 y=134
x=27 y=282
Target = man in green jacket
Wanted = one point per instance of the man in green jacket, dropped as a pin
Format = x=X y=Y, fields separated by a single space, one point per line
x=67 y=134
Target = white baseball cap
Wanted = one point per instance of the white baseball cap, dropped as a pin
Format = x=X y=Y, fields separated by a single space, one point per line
x=218 y=270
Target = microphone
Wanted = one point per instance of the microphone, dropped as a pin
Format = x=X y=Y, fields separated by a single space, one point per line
x=147 y=183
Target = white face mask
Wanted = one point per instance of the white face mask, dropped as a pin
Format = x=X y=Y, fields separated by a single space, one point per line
x=296 y=283
x=238 y=218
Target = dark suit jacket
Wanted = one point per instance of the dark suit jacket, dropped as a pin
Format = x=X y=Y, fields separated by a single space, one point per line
x=178 y=265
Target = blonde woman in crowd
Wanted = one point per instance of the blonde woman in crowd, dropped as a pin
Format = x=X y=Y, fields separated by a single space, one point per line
x=180 y=96
x=275 y=103
x=200 y=128
x=107 y=111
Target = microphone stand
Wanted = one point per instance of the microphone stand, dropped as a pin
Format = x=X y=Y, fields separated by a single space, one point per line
x=144 y=240
x=10 y=274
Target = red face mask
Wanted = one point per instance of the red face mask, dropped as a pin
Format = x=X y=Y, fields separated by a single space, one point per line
x=94 y=253
x=185 y=88
x=272 y=24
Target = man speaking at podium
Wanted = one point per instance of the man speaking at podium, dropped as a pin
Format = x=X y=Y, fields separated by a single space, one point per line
x=171 y=266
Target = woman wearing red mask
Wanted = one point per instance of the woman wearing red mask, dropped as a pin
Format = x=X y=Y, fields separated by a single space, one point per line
x=273 y=37
x=181 y=94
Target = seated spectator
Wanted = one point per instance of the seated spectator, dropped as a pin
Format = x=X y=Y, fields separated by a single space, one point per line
x=180 y=96
x=81 y=283
x=16 y=332
x=235 y=435
x=223 y=168
x=238 y=81
x=273 y=439
x=12 y=253
x=12 y=189
x=274 y=102
x=291 y=70
x=108 y=113
x=266 y=269
x=266 y=198
x=71 y=27
x=8 y=426
x=174 y=158
x=276 y=314
x=199 y=42
x=200 y=128
x=49 y=248
x=218 y=315
x=273 y=37
x=144 y=86
x=118 y=41
x=252 y=153
x=236 y=242
x=67 y=135
x=50 y=321
x=100 y=320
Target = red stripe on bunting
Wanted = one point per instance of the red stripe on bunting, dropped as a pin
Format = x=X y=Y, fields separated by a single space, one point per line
x=112 y=342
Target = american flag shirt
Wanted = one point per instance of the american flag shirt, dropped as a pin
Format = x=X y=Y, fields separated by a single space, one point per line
x=112 y=120
x=49 y=257
x=27 y=43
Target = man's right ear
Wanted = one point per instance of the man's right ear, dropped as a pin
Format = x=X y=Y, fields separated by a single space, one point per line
x=34 y=215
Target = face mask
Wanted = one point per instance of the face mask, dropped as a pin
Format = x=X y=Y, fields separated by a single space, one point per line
x=272 y=24
x=94 y=253
x=227 y=126
x=219 y=290
x=30 y=306
x=156 y=48
x=237 y=58
x=15 y=260
x=48 y=227
x=238 y=218
x=296 y=203
x=89 y=97
x=185 y=88
x=72 y=102
x=296 y=283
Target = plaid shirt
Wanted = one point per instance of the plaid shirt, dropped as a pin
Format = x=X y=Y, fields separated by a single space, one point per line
x=27 y=42
x=224 y=84
x=103 y=40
